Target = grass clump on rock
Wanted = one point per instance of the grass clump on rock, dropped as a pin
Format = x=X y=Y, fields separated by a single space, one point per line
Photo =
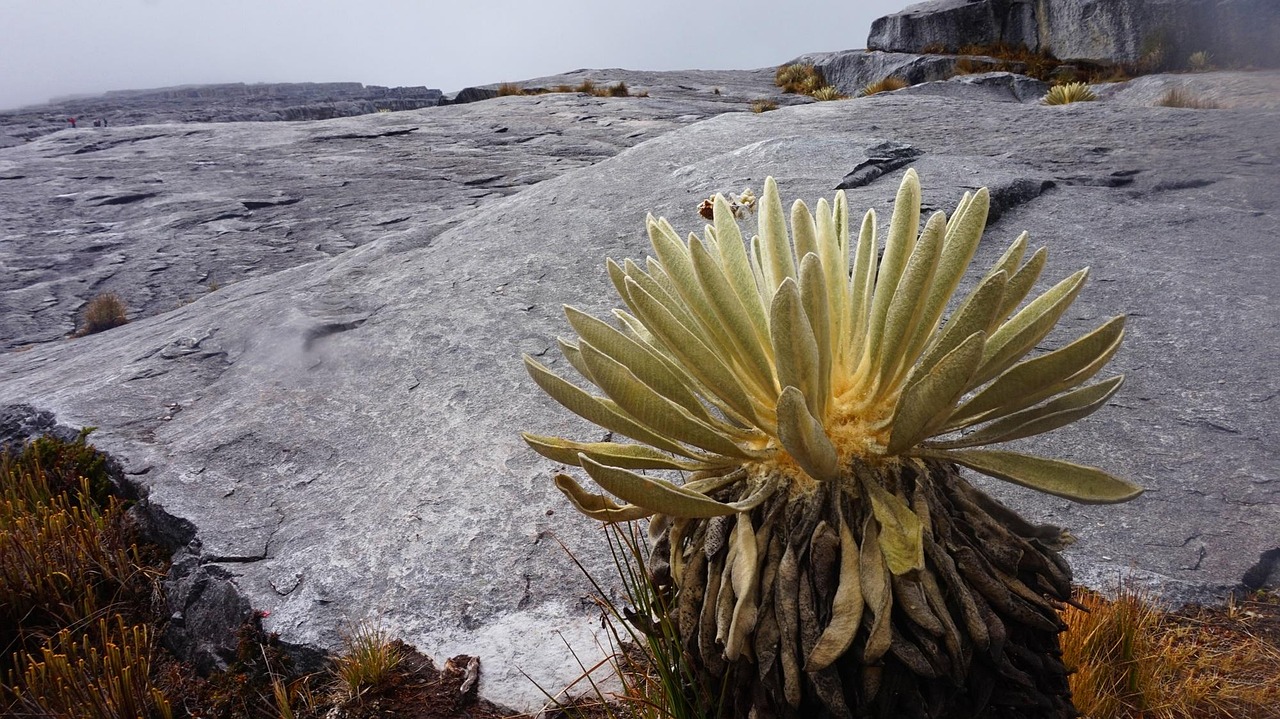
x=887 y=84
x=1068 y=93
x=822 y=552
x=103 y=312
x=1184 y=98
x=763 y=105
x=801 y=78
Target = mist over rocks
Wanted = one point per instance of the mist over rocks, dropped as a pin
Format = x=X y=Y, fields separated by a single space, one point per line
x=331 y=433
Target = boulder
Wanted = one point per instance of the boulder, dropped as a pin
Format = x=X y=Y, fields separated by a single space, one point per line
x=852 y=70
x=988 y=86
x=340 y=431
x=1162 y=33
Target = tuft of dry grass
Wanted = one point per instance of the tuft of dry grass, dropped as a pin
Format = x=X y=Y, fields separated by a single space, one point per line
x=1068 y=93
x=828 y=92
x=509 y=88
x=1182 y=97
x=619 y=89
x=369 y=658
x=102 y=312
x=1131 y=660
x=763 y=105
x=587 y=85
x=888 y=84
x=802 y=78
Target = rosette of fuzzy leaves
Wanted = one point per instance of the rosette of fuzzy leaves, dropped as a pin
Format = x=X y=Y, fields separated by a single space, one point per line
x=822 y=544
x=791 y=356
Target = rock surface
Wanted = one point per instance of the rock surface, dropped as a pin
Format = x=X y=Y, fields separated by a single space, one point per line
x=337 y=426
x=230 y=102
x=852 y=70
x=1234 y=32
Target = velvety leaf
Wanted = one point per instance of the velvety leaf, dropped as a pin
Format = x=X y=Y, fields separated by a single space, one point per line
x=1025 y=329
x=597 y=412
x=1051 y=476
x=656 y=495
x=804 y=438
x=1063 y=410
x=908 y=302
x=897 y=249
x=927 y=403
x=794 y=349
x=627 y=456
x=776 y=259
x=1032 y=380
x=652 y=409
x=598 y=506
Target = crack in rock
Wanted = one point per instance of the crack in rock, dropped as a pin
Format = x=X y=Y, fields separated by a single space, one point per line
x=881 y=159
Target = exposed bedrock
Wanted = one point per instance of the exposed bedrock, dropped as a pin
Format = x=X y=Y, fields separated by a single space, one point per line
x=339 y=428
x=1234 y=32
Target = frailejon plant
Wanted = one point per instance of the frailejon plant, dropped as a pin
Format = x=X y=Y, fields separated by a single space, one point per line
x=1070 y=92
x=825 y=556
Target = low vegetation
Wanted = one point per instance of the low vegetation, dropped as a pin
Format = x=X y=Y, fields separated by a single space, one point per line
x=827 y=93
x=1134 y=661
x=763 y=105
x=887 y=84
x=1182 y=97
x=1200 y=61
x=103 y=312
x=588 y=86
x=801 y=78
x=1069 y=93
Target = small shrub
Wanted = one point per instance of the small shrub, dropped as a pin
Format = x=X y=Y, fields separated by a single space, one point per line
x=103 y=312
x=1154 y=52
x=588 y=86
x=1182 y=97
x=888 y=84
x=507 y=89
x=369 y=658
x=1068 y=93
x=1200 y=62
x=970 y=66
x=802 y=78
x=564 y=88
x=619 y=89
x=763 y=105
x=715 y=91
x=827 y=92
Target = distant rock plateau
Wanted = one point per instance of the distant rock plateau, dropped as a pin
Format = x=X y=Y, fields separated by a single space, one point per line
x=229 y=102
x=320 y=388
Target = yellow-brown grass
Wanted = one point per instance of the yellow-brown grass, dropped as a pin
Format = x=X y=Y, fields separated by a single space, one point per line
x=369 y=658
x=802 y=78
x=1182 y=97
x=888 y=84
x=1133 y=661
x=828 y=92
x=1068 y=93
x=509 y=88
x=102 y=312
x=763 y=105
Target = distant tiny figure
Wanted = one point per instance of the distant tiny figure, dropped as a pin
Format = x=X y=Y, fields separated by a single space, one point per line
x=104 y=122
x=72 y=120
x=97 y=123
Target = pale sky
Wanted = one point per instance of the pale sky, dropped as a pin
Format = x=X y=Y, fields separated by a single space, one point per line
x=50 y=48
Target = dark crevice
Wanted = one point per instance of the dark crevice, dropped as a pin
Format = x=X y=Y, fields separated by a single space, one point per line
x=881 y=159
x=365 y=136
x=126 y=199
x=275 y=202
x=1006 y=196
x=1266 y=571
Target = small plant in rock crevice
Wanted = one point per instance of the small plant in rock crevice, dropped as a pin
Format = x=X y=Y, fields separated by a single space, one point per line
x=763 y=105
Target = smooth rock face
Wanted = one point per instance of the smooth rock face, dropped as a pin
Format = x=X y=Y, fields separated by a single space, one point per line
x=1234 y=32
x=340 y=431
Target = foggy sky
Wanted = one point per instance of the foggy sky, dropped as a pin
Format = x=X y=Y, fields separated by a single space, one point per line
x=50 y=48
